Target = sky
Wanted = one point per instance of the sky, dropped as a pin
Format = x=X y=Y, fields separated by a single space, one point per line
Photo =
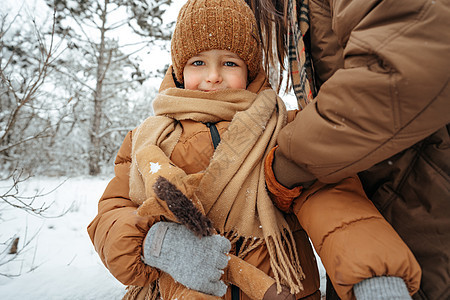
x=152 y=58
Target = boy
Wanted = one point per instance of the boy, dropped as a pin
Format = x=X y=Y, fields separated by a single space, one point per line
x=216 y=119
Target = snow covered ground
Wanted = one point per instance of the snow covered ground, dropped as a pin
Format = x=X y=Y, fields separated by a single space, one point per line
x=59 y=262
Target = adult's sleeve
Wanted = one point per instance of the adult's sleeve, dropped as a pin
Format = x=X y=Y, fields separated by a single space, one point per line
x=353 y=240
x=391 y=93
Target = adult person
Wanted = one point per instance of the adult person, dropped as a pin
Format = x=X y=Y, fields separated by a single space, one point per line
x=371 y=78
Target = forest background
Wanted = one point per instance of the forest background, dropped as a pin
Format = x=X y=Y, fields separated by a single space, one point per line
x=75 y=77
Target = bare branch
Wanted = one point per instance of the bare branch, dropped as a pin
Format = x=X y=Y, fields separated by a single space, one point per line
x=123 y=57
x=75 y=78
x=118 y=24
x=90 y=42
x=109 y=130
x=33 y=87
x=39 y=135
x=6 y=258
x=27 y=203
x=12 y=22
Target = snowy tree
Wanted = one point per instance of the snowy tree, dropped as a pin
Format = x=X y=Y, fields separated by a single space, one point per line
x=25 y=60
x=103 y=68
x=27 y=53
x=67 y=114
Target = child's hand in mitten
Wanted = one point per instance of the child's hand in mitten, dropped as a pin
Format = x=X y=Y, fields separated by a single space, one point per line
x=197 y=263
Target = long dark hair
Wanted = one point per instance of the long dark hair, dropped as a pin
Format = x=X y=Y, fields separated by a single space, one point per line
x=271 y=17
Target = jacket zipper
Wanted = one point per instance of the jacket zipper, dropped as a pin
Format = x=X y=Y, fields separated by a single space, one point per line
x=214 y=134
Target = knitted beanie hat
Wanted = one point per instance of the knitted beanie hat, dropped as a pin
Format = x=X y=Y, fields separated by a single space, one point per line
x=204 y=25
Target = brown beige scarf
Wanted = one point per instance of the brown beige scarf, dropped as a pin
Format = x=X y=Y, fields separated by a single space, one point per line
x=232 y=191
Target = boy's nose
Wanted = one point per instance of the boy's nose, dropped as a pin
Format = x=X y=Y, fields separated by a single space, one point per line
x=214 y=75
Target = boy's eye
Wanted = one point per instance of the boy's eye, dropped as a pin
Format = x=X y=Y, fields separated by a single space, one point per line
x=230 y=64
x=198 y=63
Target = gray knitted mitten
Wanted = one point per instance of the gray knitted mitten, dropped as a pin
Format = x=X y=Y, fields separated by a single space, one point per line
x=380 y=288
x=196 y=263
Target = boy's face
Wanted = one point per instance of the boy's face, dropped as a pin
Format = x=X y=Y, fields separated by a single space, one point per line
x=215 y=70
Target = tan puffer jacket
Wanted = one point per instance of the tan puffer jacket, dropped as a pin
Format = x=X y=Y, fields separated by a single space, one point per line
x=117 y=232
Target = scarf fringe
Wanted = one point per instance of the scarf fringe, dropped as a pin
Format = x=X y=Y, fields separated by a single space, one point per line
x=285 y=262
x=248 y=244
x=284 y=259
x=133 y=291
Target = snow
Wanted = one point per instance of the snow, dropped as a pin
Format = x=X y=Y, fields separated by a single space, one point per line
x=60 y=262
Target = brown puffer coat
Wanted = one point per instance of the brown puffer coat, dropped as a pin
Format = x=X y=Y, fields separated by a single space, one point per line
x=117 y=232
x=383 y=105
